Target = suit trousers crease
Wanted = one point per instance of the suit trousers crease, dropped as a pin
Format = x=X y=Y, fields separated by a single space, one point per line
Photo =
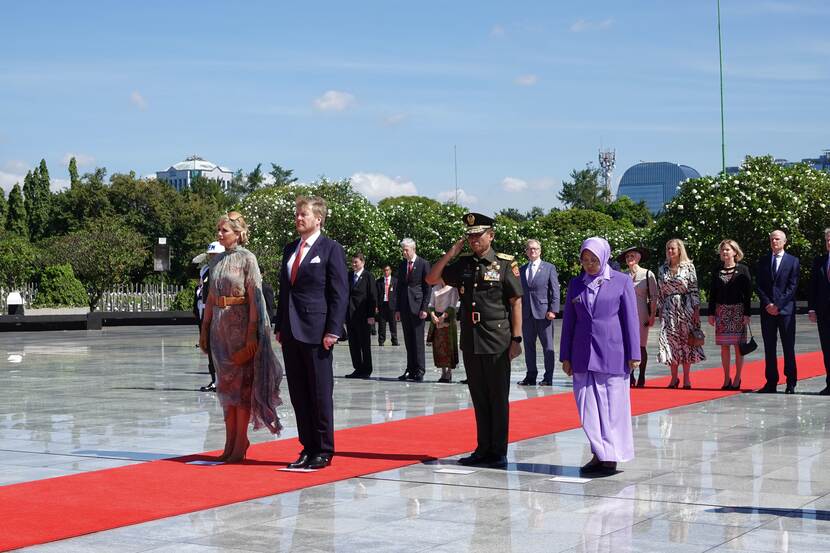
x=360 y=345
x=386 y=315
x=413 y=337
x=541 y=329
x=771 y=328
x=488 y=377
x=310 y=378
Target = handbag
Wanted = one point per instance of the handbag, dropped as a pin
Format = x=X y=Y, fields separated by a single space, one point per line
x=750 y=345
x=696 y=337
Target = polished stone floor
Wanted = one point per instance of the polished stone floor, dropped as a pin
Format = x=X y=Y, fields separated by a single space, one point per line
x=743 y=473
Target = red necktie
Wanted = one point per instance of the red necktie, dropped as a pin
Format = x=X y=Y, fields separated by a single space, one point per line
x=386 y=290
x=409 y=269
x=295 y=268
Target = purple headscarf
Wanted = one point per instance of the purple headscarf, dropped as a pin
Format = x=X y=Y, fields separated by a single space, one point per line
x=600 y=248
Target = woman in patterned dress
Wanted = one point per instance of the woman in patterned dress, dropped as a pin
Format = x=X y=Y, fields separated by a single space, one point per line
x=645 y=286
x=679 y=307
x=240 y=340
x=729 y=295
x=443 y=330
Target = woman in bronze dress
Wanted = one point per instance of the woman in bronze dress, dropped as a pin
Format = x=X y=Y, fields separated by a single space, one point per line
x=248 y=373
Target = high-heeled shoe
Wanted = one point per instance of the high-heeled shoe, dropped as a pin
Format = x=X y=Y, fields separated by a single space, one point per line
x=641 y=381
x=735 y=385
x=687 y=386
x=727 y=385
x=674 y=383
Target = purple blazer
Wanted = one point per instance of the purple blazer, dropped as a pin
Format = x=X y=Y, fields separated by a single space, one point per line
x=605 y=339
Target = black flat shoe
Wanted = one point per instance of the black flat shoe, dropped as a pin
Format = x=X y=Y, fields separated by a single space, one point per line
x=473 y=459
x=320 y=461
x=591 y=465
x=825 y=392
x=789 y=389
x=462 y=381
x=767 y=390
x=209 y=388
x=301 y=462
x=526 y=382
x=404 y=376
x=357 y=374
x=545 y=383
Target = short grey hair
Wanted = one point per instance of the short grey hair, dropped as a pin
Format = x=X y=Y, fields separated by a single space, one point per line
x=408 y=242
x=533 y=241
x=784 y=234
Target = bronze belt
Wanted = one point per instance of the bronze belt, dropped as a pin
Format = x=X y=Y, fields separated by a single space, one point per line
x=227 y=301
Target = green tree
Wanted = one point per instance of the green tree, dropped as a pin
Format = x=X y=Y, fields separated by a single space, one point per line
x=103 y=254
x=74 y=179
x=16 y=216
x=89 y=199
x=282 y=176
x=18 y=260
x=584 y=191
x=37 y=199
x=255 y=179
x=624 y=208
x=4 y=208
x=58 y=287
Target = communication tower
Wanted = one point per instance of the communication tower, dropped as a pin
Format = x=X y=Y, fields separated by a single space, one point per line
x=607 y=161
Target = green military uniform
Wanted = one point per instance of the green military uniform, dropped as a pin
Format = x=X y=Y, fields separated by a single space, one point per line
x=486 y=284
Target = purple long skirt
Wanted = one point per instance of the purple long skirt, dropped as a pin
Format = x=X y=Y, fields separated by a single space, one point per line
x=604 y=408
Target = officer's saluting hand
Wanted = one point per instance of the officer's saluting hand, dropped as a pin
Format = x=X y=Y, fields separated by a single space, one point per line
x=491 y=330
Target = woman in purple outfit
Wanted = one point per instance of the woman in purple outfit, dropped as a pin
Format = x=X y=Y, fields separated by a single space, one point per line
x=599 y=347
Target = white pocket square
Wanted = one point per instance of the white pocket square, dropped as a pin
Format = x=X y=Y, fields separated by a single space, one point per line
x=316 y=259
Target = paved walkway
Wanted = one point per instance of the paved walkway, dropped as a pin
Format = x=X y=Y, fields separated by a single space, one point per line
x=744 y=473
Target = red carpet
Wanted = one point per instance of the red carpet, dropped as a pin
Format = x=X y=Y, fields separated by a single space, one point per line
x=46 y=510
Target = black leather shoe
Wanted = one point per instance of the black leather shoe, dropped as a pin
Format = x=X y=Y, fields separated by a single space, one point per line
x=462 y=381
x=767 y=390
x=416 y=377
x=209 y=388
x=790 y=389
x=301 y=462
x=473 y=459
x=546 y=383
x=404 y=376
x=825 y=392
x=357 y=374
x=320 y=461
x=527 y=382
x=497 y=461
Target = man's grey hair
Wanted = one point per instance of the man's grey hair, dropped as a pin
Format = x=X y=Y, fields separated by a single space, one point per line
x=408 y=242
x=784 y=234
x=533 y=241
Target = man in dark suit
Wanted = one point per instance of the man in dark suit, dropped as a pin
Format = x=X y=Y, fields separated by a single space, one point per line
x=314 y=295
x=413 y=299
x=360 y=317
x=776 y=284
x=819 y=302
x=387 y=295
x=540 y=285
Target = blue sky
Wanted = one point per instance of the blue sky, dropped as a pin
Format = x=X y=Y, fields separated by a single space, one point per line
x=381 y=91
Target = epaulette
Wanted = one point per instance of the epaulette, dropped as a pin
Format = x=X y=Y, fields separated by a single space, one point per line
x=504 y=256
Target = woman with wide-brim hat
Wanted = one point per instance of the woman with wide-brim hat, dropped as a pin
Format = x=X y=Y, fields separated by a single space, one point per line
x=645 y=287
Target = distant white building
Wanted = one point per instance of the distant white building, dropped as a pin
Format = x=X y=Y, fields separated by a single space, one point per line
x=180 y=174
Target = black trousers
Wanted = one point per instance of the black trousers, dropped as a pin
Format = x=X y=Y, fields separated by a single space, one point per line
x=308 y=368
x=823 y=323
x=386 y=315
x=488 y=377
x=771 y=328
x=413 y=339
x=360 y=345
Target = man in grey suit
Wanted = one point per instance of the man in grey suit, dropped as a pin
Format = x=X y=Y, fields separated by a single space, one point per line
x=540 y=284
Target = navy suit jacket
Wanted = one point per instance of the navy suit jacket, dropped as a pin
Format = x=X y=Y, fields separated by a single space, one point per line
x=393 y=291
x=780 y=288
x=542 y=294
x=316 y=304
x=413 y=290
x=819 y=299
x=362 y=299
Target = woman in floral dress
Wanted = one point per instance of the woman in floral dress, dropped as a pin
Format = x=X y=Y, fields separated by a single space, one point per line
x=679 y=306
x=443 y=329
x=236 y=319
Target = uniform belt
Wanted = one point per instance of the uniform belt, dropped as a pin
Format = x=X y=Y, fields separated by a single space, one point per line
x=475 y=317
x=226 y=301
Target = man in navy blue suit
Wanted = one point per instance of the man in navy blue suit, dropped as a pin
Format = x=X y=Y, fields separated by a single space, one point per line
x=360 y=316
x=540 y=284
x=776 y=284
x=314 y=295
x=820 y=304
x=413 y=299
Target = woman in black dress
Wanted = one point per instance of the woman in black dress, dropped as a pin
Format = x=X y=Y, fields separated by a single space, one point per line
x=729 y=296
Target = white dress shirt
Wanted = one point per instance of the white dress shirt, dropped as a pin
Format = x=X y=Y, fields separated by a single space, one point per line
x=308 y=243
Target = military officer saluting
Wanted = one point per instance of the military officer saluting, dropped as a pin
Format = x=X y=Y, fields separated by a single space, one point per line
x=491 y=330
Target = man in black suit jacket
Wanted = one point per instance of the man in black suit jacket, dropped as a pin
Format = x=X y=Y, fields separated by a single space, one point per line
x=387 y=295
x=776 y=284
x=360 y=317
x=413 y=299
x=819 y=302
x=314 y=295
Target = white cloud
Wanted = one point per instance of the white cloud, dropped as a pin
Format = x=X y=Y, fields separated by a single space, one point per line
x=376 y=186
x=83 y=160
x=512 y=184
x=394 y=119
x=14 y=171
x=138 y=100
x=545 y=183
x=582 y=25
x=8 y=180
x=463 y=197
x=334 y=100
x=526 y=80
x=15 y=166
x=497 y=31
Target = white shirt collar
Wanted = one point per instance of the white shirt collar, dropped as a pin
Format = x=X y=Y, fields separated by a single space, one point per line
x=311 y=239
x=358 y=273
